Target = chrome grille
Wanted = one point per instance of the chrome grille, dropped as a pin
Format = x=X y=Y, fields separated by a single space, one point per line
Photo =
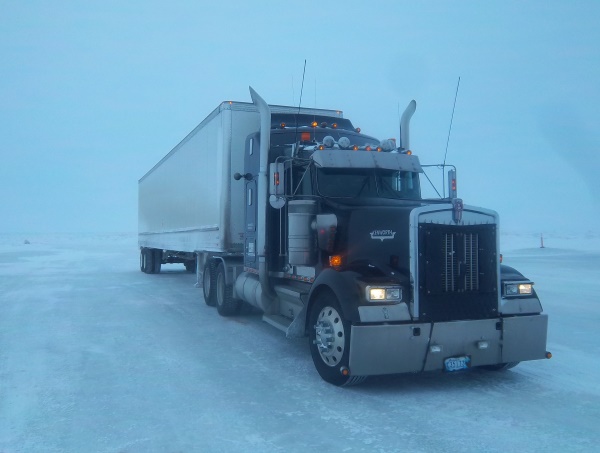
x=461 y=264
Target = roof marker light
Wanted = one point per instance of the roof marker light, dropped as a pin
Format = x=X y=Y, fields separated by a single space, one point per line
x=358 y=130
x=355 y=148
x=314 y=124
x=334 y=125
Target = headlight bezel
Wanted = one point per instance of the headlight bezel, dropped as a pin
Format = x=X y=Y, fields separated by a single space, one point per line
x=520 y=288
x=390 y=294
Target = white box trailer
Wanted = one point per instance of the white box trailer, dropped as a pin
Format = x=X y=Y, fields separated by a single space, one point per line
x=185 y=202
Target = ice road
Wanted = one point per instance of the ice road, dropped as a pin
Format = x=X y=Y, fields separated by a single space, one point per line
x=96 y=356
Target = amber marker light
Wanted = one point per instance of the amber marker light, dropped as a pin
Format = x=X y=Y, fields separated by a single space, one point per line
x=314 y=124
x=334 y=125
x=355 y=147
x=409 y=152
x=368 y=148
x=335 y=261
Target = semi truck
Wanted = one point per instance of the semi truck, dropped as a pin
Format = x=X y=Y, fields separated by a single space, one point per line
x=324 y=230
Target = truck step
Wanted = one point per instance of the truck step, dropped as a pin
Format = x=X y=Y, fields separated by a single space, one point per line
x=278 y=321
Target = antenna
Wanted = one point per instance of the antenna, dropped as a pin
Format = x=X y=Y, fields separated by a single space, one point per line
x=399 y=124
x=302 y=88
x=448 y=140
x=300 y=103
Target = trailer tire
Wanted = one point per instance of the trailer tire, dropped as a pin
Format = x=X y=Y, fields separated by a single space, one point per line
x=226 y=304
x=329 y=341
x=146 y=260
x=156 y=260
x=208 y=283
x=190 y=266
x=142 y=261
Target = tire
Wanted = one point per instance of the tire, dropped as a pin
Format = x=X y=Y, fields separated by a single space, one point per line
x=226 y=304
x=156 y=260
x=146 y=261
x=500 y=366
x=208 y=283
x=142 y=261
x=329 y=341
x=190 y=266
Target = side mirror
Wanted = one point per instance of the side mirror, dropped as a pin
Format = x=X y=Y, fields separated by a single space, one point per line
x=277 y=185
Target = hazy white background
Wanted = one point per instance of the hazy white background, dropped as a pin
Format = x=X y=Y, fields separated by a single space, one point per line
x=92 y=94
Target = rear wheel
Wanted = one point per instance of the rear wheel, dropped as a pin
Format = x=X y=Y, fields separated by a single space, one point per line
x=208 y=283
x=156 y=260
x=146 y=260
x=329 y=341
x=226 y=304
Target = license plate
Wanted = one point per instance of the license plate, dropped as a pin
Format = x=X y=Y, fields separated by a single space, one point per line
x=457 y=363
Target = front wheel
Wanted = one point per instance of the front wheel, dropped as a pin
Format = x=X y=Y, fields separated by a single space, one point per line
x=329 y=341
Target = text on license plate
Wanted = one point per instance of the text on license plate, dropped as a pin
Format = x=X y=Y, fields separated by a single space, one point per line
x=457 y=363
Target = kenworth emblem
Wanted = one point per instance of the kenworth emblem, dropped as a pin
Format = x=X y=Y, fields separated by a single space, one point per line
x=382 y=234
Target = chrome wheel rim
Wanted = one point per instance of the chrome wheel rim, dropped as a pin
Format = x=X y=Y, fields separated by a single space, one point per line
x=330 y=337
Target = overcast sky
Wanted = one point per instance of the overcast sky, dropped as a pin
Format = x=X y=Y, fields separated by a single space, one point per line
x=94 y=93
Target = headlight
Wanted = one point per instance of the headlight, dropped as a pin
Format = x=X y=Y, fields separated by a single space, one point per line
x=384 y=294
x=515 y=289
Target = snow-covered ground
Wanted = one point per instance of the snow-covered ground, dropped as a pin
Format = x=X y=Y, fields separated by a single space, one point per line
x=96 y=356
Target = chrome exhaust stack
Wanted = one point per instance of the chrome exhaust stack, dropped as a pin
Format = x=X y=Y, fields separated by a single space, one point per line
x=404 y=126
x=262 y=195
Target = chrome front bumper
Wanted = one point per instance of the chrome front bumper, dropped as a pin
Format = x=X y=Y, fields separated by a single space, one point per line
x=407 y=348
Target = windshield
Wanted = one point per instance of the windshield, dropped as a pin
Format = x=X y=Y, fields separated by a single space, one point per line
x=368 y=183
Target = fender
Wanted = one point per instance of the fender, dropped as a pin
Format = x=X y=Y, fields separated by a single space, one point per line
x=518 y=305
x=343 y=285
x=510 y=273
x=233 y=267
